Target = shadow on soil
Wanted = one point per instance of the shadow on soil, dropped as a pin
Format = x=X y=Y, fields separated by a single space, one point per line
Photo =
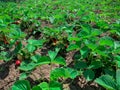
x=4 y=69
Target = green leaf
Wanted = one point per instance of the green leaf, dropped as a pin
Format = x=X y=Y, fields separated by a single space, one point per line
x=44 y=86
x=30 y=48
x=106 y=41
x=21 y=85
x=74 y=39
x=53 y=54
x=6 y=30
x=36 y=88
x=102 y=24
x=117 y=59
x=116 y=44
x=55 y=85
x=72 y=47
x=5 y=56
x=116 y=51
x=89 y=75
x=78 y=43
x=72 y=73
x=84 y=52
x=80 y=65
x=59 y=60
x=86 y=28
x=109 y=71
x=36 y=42
x=1 y=57
x=85 y=18
x=58 y=72
x=100 y=52
x=17 y=48
x=118 y=64
x=107 y=82
x=51 y=19
x=92 y=46
x=35 y=58
x=83 y=35
x=57 y=50
x=23 y=76
x=95 y=32
x=118 y=77
x=63 y=72
x=27 y=66
x=17 y=33
x=52 y=85
x=95 y=65
x=43 y=60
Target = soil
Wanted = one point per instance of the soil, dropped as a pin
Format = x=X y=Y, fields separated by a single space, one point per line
x=9 y=73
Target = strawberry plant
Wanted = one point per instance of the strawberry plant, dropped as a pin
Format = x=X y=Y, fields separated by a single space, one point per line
x=87 y=29
x=9 y=36
x=55 y=74
x=109 y=82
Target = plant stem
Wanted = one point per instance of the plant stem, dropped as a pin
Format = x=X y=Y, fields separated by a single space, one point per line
x=51 y=67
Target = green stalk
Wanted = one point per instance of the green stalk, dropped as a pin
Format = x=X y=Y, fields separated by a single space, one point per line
x=51 y=67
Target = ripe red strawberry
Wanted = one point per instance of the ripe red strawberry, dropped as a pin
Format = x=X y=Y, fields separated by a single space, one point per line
x=17 y=62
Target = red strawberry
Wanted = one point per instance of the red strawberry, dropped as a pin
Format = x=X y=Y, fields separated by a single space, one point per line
x=16 y=43
x=17 y=62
